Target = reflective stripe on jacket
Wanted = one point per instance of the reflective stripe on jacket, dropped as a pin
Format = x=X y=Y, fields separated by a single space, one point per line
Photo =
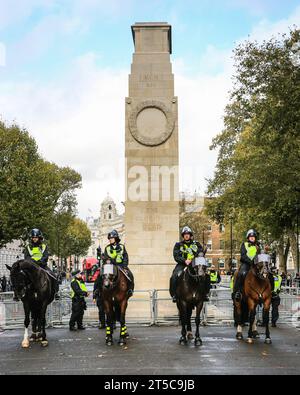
x=81 y=285
x=37 y=253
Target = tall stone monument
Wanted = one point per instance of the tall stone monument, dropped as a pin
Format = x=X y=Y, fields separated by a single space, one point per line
x=152 y=206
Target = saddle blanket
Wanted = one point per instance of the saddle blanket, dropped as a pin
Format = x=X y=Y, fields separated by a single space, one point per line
x=125 y=272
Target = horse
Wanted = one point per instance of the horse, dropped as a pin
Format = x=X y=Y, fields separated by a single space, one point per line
x=191 y=292
x=257 y=291
x=36 y=289
x=114 y=293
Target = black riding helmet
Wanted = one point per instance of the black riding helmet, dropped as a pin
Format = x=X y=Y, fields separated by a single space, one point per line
x=186 y=230
x=114 y=235
x=251 y=232
x=36 y=233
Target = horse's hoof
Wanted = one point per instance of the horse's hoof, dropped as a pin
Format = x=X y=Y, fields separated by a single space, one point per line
x=25 y=343
x=256 y=335
x=249 y=340
x=122 y=342
x=183 y=341
x=268 y=341
x=127 y=336
x=109 y=342
x=44 y=343
x=32 y=339
x=239 y=336
x=198 y=342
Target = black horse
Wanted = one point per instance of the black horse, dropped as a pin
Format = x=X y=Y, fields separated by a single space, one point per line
x=36 y=289
x=191 y=293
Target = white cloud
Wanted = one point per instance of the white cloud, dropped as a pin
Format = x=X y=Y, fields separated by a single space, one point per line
x=79 y=119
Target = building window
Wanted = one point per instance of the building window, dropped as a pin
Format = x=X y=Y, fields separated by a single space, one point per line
x=109 y=207
x=234 y=263
x=208 y=228
x=109 y=216
x=221 y=228
x=209 y=261
x=209 y=245
x=221 y=263
x=222 y=244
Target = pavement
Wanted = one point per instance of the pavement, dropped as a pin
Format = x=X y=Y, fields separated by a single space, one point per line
x=151 y=351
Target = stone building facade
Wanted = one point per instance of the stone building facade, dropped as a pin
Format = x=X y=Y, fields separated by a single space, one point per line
x=9 y=255
x=100 y=227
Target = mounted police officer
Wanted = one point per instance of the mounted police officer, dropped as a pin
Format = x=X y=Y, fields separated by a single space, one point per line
x=184 y=253
x=78 y=294
x=249 y=251
x=37 y=251
x=116 y=252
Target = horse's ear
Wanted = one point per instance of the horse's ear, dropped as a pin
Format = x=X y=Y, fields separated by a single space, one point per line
x=8 y=268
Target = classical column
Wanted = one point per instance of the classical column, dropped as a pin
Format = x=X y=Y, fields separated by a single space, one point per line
x=152 y=207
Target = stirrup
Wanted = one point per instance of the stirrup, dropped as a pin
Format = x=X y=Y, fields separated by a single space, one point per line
x=206 y=298
x=238 y=296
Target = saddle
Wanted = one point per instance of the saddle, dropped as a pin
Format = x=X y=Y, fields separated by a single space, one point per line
x=125 y=272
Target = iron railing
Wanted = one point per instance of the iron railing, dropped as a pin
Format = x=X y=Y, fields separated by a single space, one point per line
x=148 y=307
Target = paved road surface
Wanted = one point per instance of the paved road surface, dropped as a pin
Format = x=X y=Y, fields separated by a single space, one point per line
x=151 y=351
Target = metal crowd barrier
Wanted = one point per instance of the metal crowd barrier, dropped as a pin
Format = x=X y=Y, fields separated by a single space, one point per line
x=148 y=307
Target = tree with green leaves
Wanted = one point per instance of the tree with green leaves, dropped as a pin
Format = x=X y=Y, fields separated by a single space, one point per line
x=32 y=190
x=258 y=167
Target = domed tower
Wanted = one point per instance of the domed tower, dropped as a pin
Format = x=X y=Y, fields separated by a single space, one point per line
x=108 y=210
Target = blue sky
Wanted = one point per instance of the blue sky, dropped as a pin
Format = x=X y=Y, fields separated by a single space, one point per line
x=64 y=68
x=40 y=42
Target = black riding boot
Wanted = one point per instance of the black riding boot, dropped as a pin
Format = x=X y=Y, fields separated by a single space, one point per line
x=238 y=286
x=131 y=289
x=173 y=286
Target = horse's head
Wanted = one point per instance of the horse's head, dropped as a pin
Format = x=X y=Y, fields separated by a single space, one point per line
x=262 y=266
x=109 y=274
x=19 y=280
x=200 y=267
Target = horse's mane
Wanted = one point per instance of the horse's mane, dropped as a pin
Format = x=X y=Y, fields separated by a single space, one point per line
x=23 y=264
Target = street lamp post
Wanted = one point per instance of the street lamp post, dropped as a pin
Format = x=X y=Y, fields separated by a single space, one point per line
x=297 y=230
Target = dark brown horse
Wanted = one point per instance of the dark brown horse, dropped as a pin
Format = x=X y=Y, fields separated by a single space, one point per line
x=114 y=294
x=191 y=292
x=36 y=289
x=257 y=291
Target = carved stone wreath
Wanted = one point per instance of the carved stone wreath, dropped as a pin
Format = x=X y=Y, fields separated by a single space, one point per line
x=165 y=133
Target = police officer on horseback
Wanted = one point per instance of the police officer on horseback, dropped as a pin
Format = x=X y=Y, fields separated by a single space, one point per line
x=249 y=250
x=37 y=251
x=116 y=252
x=184 y=253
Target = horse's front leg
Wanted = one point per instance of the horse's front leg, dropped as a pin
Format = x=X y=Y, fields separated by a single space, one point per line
x=189 y=323
x=44 y=342
x=34 y=335
x=26 y=342
x=123 y=329
x=183 y=318
x=198 y=341
x=252 y=311
x=108 y=308
x=266 y=320
x=237 y=305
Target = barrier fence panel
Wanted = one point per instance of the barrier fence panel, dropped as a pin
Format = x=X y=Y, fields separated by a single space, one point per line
x=149 y=307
